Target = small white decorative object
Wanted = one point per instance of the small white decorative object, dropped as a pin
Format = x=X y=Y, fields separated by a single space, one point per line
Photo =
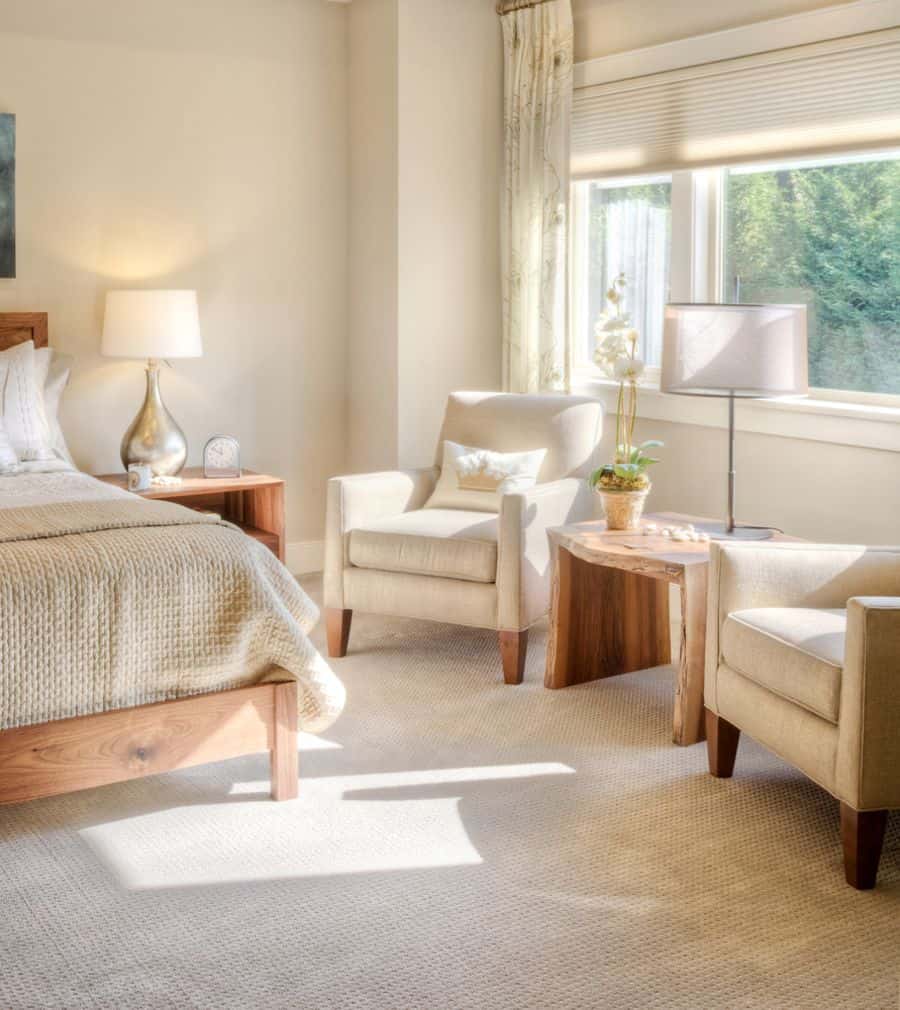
x=140 y=476
x=667 y=531
x=650 y=530
x=165 y=480
x=222 y=457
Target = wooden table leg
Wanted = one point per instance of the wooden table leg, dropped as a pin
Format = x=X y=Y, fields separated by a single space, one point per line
x=604 y=621
x=264 y=508
x=689 y=726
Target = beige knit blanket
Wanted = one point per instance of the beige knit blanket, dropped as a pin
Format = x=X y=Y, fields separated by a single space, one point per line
x=110 y=604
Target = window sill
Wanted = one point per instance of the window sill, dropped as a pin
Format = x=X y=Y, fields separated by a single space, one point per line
x=839 y=423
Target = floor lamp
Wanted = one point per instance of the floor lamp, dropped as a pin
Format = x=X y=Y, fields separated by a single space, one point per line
x=734 y=351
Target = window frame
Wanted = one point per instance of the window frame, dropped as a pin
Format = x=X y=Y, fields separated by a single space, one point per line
x=582 y=367
x=697 y=267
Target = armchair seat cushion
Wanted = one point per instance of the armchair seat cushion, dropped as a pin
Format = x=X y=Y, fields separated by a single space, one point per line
x=447 y=543
x=794 y=652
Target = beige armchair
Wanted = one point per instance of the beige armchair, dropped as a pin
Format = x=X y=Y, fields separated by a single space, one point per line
x=803 y=653
x=387 y=554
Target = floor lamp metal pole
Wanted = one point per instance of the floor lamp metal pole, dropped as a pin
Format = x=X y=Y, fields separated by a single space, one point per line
x=730 y=527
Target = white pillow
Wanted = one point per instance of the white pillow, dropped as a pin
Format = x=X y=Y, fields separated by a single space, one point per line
x=23 y=402
x=476 y=479
x=58 y=369
x=9 y=461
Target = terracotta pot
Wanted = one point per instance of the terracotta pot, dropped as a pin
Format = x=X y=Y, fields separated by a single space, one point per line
x=623 y=508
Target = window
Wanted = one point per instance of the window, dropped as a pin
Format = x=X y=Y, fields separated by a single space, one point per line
x=826 y=235
x=622 y=226
x=823 y=233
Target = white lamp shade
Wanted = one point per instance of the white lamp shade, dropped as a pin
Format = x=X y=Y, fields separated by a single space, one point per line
x=739 y=350
x=151 y=324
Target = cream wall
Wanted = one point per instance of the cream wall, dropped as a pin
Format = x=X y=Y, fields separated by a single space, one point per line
x=450 y=171
x=202 y=144
x=603 y=27
x=372 y=294
x=426 y=166
x=815 y=490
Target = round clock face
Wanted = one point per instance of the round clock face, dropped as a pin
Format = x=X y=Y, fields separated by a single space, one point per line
x=222 y=454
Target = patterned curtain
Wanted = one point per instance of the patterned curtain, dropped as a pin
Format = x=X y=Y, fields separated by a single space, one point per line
x=537 y=114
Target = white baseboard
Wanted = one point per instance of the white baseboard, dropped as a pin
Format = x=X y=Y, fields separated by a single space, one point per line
x=305 y=556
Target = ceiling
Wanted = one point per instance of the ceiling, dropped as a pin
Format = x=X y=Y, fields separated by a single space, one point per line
x=614 y=26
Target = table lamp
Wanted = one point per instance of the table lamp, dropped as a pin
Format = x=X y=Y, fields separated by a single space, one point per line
x=155 y=325
x=734 y=351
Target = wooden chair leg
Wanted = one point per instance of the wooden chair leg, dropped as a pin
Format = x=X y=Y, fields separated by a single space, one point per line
x=721 y=745
x=337 y=628
x=513 y=649
x=284 y=758
x=862 y=835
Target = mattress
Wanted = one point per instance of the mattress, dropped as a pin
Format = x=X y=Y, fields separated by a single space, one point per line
x=109 y=601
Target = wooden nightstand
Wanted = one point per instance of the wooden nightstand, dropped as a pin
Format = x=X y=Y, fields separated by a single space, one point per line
x=253 y=501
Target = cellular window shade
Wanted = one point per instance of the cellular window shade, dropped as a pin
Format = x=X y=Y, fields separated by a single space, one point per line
x=827 y=97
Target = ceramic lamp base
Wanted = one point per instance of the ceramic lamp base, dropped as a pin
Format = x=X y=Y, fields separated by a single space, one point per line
x=154 y=437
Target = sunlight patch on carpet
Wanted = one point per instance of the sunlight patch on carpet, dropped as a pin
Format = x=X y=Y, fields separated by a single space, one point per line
x=343 y=824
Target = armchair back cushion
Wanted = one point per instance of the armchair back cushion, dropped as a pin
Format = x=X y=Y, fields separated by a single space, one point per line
x=802 y=575
x=568 y=427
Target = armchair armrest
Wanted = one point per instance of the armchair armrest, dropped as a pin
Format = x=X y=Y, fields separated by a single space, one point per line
x=524 y=565
x=868 y=765
x=749 y=575
x=361 y=498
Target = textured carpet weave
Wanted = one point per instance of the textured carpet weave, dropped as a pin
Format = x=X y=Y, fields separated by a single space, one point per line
x=458 y=844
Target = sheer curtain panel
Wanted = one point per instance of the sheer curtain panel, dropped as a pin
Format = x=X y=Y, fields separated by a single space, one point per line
x=538 y=52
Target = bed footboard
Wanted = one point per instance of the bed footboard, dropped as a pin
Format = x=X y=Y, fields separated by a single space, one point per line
x=95 y=750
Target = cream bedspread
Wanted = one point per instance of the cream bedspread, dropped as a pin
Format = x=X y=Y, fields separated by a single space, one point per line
x=109 y=601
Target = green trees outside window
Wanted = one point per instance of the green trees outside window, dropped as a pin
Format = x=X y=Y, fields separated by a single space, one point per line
x=827 y=237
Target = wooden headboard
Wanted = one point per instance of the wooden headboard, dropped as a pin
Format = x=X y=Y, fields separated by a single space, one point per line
x=17 y=327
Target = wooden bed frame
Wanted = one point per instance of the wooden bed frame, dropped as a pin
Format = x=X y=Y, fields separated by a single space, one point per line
x=94 y=750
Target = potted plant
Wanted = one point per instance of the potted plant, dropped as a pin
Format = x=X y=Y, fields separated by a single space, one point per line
x=623 y=485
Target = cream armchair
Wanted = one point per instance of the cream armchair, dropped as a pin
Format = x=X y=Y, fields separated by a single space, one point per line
x=387 y=554
x=803 y=653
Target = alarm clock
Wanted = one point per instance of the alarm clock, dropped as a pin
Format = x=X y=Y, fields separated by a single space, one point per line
x=222 y=457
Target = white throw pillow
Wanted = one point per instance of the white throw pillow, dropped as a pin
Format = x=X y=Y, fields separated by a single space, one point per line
x=9 y=461
x=58 y=368
x=476 y=479
x=23 y=402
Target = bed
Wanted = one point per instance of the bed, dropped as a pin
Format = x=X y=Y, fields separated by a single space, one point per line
x=138 y=636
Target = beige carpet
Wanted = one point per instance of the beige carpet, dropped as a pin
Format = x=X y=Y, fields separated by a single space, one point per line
x=458 y=844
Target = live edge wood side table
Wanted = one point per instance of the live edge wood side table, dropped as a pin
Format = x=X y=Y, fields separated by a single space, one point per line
x=610 y=610
x=253 y=501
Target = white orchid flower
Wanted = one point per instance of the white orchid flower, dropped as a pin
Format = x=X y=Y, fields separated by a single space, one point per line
x=628 y=369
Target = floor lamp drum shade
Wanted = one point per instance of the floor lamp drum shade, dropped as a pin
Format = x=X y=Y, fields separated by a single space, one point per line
x=153 y=325
x=735 y=350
